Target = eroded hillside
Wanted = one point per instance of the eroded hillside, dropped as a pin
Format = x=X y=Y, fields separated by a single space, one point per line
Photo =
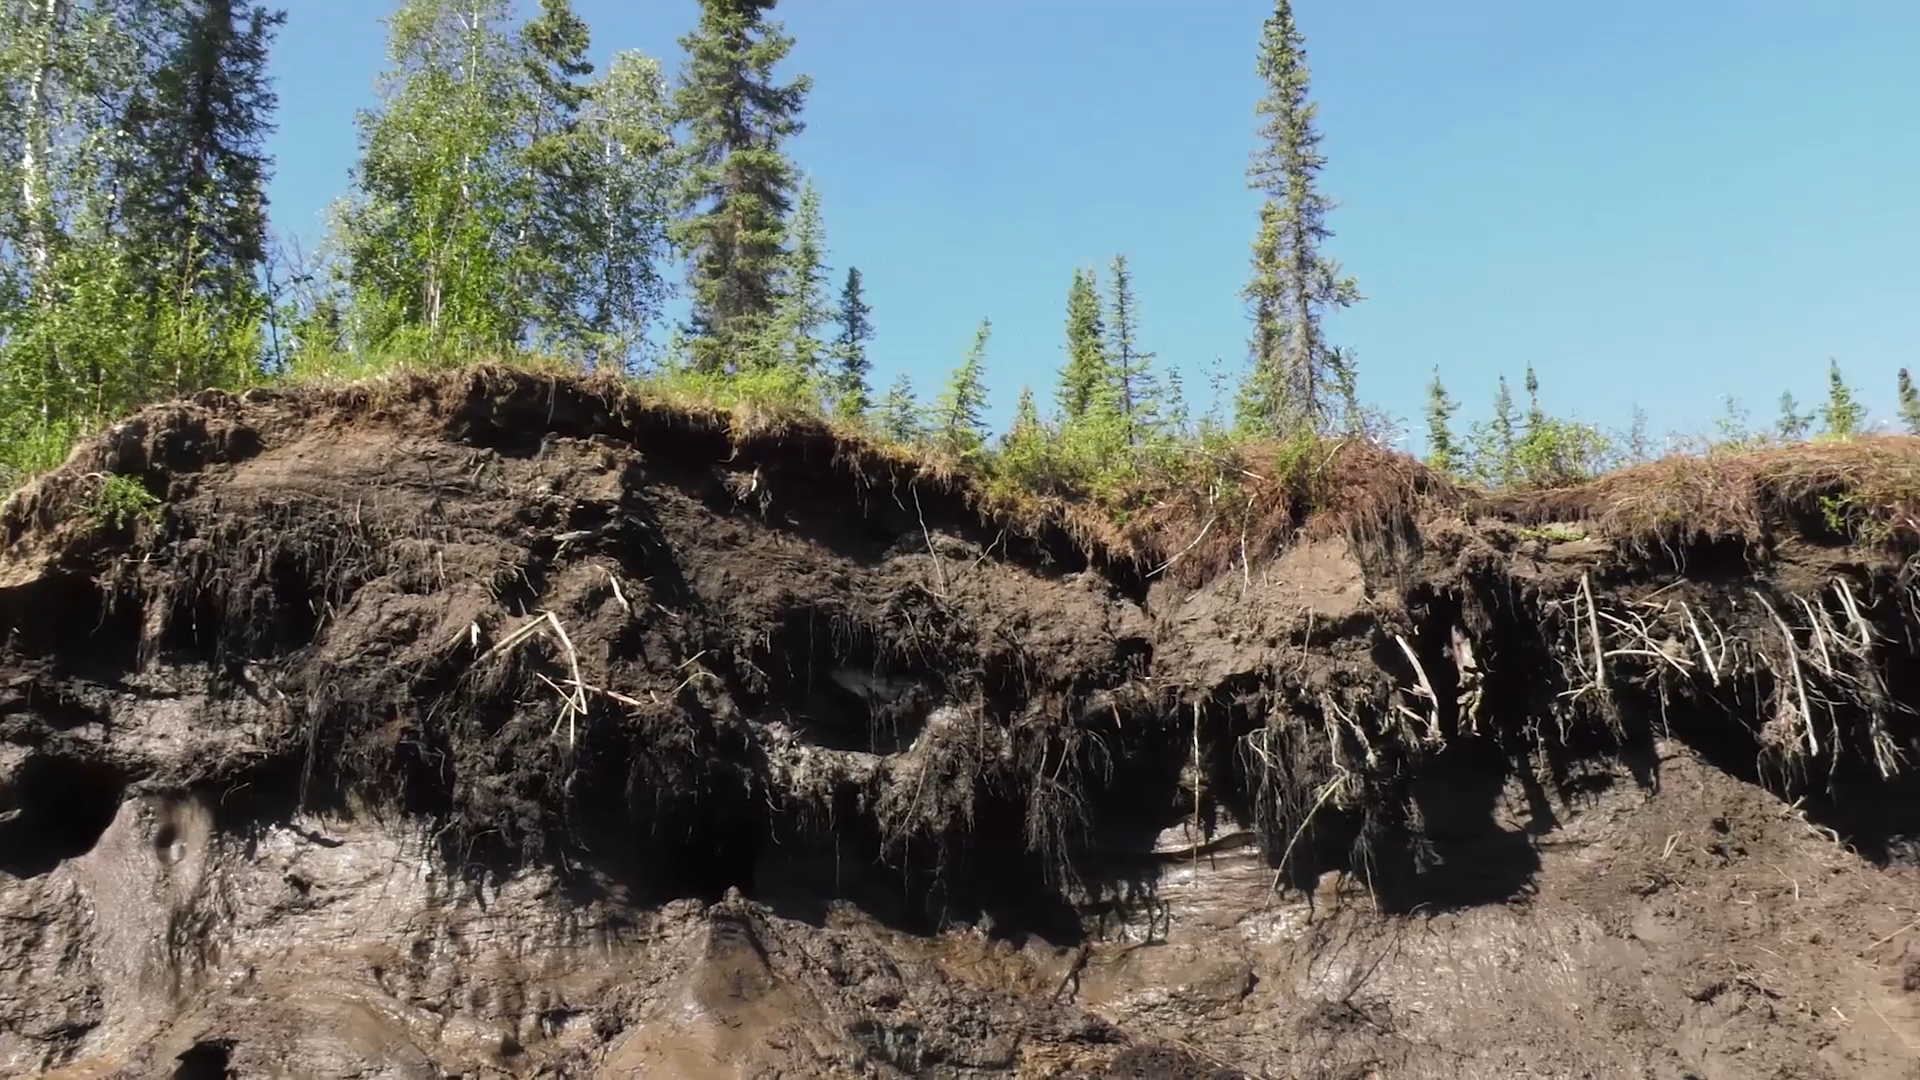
x=493 y=725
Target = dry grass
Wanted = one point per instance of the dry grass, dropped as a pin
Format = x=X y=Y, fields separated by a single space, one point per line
x=1866 y=490
x=1206 y=512
x=1220 y=513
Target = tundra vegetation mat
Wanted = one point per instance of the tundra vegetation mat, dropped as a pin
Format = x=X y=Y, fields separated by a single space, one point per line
x=490 y=724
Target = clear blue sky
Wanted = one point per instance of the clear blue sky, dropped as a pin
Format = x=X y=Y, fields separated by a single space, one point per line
x=1655 y=203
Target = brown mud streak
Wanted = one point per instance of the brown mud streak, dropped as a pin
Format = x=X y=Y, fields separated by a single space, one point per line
x=493 y=723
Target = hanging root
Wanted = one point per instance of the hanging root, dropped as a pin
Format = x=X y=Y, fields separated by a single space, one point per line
x=1803 y=721
x=573 y=697
x=1707 y=655
x=1424 y=691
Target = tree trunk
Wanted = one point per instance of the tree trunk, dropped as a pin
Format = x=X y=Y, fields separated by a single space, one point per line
x=36 y=146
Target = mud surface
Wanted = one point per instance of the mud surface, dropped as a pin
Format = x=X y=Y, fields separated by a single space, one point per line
x=492 y=726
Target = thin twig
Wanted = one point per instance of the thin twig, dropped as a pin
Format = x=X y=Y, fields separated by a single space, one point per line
x=939 y=567
x=1195 y=542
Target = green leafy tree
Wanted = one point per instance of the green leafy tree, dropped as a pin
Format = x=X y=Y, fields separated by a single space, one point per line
x=738 y=185
x=958 y=424
x=1293 y=284
x=617 y=291
x=1909 y=402
x=71 y=307
x=803 y=306
x=1132 y=389
x=851 y=391
x=1443 y=454
x=430 y=258
x=900 y=412
x=1792 y=425
x=503 y=198
x=1843 y=417
x=1086 y=373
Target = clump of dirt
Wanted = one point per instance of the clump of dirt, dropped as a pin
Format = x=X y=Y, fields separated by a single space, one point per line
x=496 y=724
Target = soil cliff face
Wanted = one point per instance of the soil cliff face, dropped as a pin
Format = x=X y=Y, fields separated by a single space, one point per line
x=490 y=725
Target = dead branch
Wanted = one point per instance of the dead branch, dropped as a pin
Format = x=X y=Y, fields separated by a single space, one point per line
x=573 y=703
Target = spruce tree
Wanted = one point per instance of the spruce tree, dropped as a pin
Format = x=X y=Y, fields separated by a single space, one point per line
x=738 y=185
x=1443 y=455
x=555 y=205
x=1496 y=443
x=1130 y=371
x=1639 y=445
x=1024 y=448
x=1177 y=421
x=900 y=412
x=1793 y=425
x=1086 y=374
x=802 y=310
x=852 y=394
x=1842 y=416
x=1026 y=416
x=958 y=424
x=1293 y=284
x=195 y=208
x=1909 y=403
x=1536 y=416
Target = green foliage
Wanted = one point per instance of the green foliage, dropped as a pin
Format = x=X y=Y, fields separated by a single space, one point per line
x=132 y=218
x=957 y=422
x=28 y=449
x=194 y=202
x=1909 y=404
x=738 y=182
x=1637 y=445
x=500 y=202
x=1131 y=387
x=801 y=311
x=1842 y=416
x=1556 y=453
x=900 y=413
x=852 y=395
x=1537 y=451
x=121 y=501
x=1087 y=371
x=1026 y=450
x=1792 y=425
x=1496 y=443
x=1443 y=455
x=1293 y=284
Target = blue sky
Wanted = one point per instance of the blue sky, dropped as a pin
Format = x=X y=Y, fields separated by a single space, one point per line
x=1656 y=204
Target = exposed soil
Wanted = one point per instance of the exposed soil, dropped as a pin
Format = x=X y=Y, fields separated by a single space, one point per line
x=491 y=725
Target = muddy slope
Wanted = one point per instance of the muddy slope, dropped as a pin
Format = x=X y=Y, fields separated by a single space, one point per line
x=494 y=726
